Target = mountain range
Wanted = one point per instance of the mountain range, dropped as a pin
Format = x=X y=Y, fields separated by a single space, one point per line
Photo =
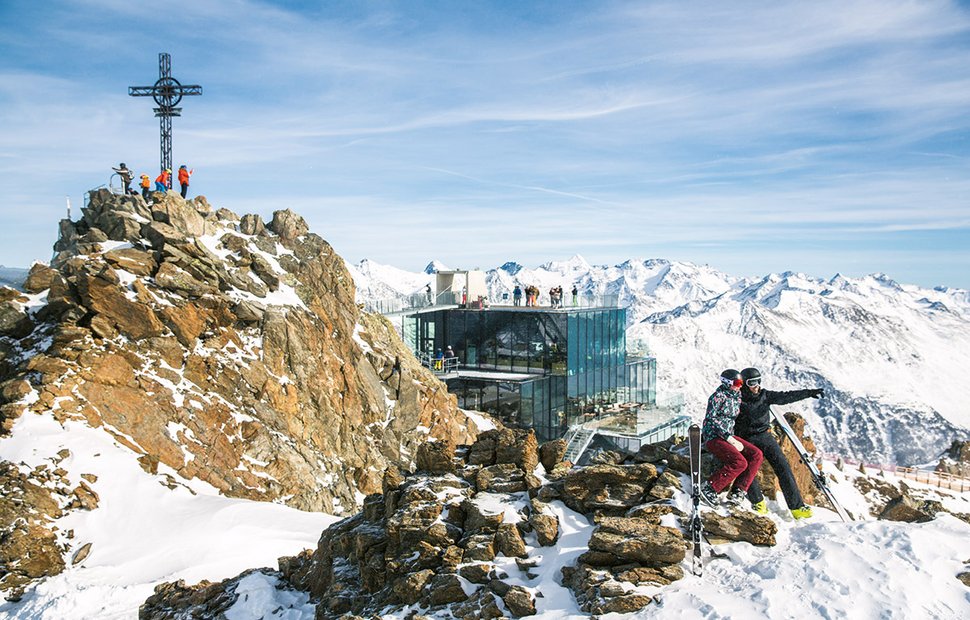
x=892 y=358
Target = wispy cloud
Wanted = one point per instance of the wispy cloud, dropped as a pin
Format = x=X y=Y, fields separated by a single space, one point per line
x=638 y=126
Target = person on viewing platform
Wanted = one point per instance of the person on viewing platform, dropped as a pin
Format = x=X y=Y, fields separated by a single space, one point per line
x=740 y=459
x=517 y=295
x=754 y=420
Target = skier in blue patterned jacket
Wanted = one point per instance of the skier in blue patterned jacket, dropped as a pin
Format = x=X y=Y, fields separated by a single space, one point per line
x=740 y=459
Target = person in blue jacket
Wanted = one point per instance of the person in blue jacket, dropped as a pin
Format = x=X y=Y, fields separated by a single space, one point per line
x=739 y=459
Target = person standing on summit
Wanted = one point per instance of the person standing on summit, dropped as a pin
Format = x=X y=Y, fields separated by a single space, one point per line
x=184 y=174
x=740 y=459
x=126 y=177
x=752 y=425
x=163 y=181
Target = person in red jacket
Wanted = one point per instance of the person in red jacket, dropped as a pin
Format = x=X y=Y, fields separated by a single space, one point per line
x=163 y=181
x=184 y=174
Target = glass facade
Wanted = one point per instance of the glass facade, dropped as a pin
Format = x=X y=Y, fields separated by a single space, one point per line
x=538 y=369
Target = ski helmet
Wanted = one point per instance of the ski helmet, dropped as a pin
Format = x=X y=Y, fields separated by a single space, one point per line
x=751 y=376
x=732 y=378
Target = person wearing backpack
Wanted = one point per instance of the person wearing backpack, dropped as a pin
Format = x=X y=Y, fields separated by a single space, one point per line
x=126 y=176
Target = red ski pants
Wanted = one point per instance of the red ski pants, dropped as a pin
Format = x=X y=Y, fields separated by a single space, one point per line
x=737 y=467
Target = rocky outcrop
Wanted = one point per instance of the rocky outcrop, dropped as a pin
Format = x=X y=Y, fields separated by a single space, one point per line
x=30 y=501
x=956 y=461
x=445 y=540
x=234 y=354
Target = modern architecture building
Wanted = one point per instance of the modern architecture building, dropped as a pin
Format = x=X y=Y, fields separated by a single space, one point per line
x=561 y=370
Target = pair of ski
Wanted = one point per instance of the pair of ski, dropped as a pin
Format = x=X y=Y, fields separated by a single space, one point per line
x=697 y=526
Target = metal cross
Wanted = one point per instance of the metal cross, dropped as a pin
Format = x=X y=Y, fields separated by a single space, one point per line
x=167 y=92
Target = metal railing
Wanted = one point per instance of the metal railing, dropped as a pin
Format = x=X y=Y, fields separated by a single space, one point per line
x=421 y=301
x=939 y=479
x=437 y=365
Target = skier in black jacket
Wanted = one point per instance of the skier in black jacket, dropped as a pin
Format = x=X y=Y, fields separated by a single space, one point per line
x=752 y=425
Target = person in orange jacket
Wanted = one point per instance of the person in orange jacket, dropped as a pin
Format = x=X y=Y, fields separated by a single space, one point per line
x=184 y=174
x=163 y=181
x=146 y=186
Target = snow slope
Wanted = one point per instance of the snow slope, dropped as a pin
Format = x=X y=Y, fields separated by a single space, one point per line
x=142 y=532
x=893 y=358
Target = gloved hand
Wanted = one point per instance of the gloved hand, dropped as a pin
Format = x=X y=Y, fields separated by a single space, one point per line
x=737 y=444
x=818 y=393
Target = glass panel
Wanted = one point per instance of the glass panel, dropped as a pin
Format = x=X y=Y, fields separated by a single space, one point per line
x=525 y=410
x=572 y=335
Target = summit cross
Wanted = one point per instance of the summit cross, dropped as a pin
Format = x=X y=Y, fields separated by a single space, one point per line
x=167 y=92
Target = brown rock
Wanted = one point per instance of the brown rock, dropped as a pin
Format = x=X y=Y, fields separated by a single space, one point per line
x=518 y=447
x=661 y=576
x=252 y=224
x=654 y=546
x=906 y=509
x=520 y=602
x=187 y=322
x=410 y=588
x=551 y=454
x=86 y=497
x=436 y=457
x=546 y=527
x=38 y=278
x=288 y=225
x=740 y=525
x=480 y=519
x=102 y=294
x=446 y=589
x=666 y=486
x=508 y=541
x=14 y=321
x=132 y=260
x=607 y=488
x=503 y=478
x=479 y=548
x=625 y=604
x=476 y=573
x=81 y=554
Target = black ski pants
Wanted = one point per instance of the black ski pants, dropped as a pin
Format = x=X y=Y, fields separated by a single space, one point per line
x=773 y=455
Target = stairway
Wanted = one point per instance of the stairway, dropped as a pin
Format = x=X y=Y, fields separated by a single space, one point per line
x=577 y=442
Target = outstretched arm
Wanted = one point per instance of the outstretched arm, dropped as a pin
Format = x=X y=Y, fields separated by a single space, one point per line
x=792 y=396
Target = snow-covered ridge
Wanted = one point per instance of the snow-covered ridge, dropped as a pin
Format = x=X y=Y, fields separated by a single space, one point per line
x=893 y=358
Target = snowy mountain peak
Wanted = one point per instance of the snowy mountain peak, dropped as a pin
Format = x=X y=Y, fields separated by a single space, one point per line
x=511 y=267
x=573 y=264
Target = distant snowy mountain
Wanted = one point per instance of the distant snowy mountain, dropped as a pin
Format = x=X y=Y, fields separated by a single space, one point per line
x=892 y=358
x=12 y=276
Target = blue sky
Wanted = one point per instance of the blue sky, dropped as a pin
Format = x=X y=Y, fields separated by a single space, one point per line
x=819 y=137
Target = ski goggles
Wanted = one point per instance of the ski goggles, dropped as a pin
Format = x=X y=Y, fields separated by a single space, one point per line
x=753 y=381
x=735 y=383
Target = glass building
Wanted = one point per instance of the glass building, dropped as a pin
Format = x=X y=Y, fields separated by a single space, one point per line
x=540 y=368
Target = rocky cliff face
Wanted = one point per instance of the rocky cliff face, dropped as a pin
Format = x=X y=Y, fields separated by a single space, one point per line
x=227 y=349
